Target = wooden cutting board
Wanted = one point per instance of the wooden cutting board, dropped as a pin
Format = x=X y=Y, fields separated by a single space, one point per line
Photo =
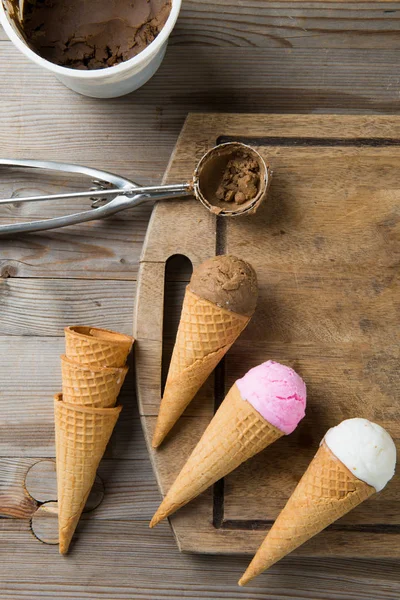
x=326 y=250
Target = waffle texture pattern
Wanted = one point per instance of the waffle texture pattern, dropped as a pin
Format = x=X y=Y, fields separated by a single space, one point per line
x=236 y=433
x=97 y=347
x=205 y=334
x=82 y=434
x=90 y=386
x=326 y=492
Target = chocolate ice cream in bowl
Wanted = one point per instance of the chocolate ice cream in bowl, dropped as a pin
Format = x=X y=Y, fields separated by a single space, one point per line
x=98 y=48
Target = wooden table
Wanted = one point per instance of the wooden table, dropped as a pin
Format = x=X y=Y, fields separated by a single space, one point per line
x=257 y=57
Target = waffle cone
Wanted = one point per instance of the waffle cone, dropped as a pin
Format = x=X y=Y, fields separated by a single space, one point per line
x=91 y=386
x=205 y=334
x=82 y=434
x=97 y=347
x=236 y=433
x=326 y=492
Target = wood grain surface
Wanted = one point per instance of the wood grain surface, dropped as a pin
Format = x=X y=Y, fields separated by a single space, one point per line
x=252 y=56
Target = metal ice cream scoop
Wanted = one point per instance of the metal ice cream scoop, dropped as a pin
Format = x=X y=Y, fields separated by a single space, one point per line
x=124 y=193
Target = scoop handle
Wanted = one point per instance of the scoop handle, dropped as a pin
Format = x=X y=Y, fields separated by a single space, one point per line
x=126 y=194
x=150 y=190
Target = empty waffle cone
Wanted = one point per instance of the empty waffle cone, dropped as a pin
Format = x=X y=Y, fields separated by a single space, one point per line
x=82 y=434
x=205 y=334
x=236 y=433
x=97 y=347
x=326 y=492
x=91 y=386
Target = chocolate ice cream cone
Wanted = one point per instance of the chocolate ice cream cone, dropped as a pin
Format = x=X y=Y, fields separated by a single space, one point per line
x=205 y=334
x=218 y=304
x=236 y=433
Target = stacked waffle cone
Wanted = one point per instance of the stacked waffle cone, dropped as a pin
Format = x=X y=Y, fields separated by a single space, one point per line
x=93 y=371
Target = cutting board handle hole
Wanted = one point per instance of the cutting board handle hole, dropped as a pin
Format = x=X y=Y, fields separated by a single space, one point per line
x=178 y=270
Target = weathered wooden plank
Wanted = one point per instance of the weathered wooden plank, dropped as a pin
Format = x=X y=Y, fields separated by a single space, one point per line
x=32 y=434
x=44 y=307
x=287 y=24
x=334 y=79
x=140 y=135
x=295 y=127
x=149 y=566
x=14 y=500
x=130 y=491
x=149 y=315
x=333 y=542
x=108 y=249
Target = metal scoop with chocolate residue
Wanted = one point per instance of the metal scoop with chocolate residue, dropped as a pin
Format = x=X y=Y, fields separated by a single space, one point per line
x=230 y=180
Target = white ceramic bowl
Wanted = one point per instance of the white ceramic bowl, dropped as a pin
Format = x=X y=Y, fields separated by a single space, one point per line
x=101 y=83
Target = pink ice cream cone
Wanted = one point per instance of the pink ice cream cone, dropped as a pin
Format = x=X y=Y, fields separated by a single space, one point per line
x=277 y=392
x=267 y=403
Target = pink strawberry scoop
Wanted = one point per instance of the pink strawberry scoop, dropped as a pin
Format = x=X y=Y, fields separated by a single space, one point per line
x=277 y=392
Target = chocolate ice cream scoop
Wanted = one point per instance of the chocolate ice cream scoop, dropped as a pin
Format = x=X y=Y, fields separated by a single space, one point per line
x=232 y=179
x=228 y=282
x=218 y=304
x=231 y=165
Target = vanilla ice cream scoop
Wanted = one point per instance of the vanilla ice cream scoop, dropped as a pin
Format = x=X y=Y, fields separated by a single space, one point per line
x=365 y=448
